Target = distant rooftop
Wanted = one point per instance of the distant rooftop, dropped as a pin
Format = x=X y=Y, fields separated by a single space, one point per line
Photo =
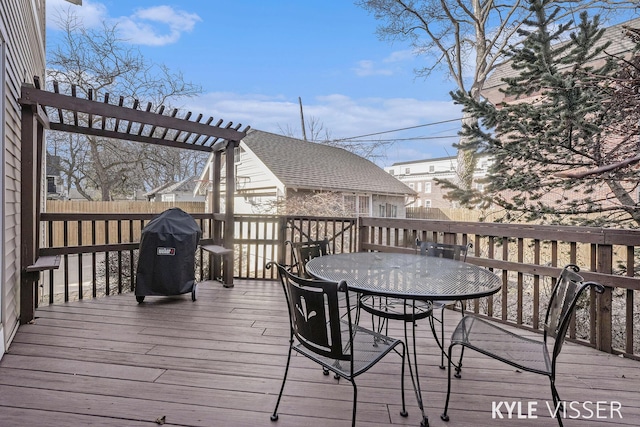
x=309 y=165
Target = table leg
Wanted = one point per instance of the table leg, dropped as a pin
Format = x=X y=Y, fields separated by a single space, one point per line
x=415 y=378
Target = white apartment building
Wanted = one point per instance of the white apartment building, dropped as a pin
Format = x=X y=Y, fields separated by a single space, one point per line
x=420 y=176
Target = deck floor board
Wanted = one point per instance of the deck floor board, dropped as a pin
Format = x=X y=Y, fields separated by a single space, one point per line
x=219 y=362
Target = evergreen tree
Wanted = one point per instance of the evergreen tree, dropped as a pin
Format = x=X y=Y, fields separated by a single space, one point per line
x=568 y=123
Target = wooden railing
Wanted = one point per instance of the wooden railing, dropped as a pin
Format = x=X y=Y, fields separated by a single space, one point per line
x=528 y=258
x=99 y=253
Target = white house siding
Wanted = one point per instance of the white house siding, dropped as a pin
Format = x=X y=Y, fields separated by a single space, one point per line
x=256 y=186
x=22 y=41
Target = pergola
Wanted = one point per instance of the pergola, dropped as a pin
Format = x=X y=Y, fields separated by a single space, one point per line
x=43 y=109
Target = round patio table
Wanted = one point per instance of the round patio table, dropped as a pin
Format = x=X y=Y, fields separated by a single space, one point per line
x=409 y=277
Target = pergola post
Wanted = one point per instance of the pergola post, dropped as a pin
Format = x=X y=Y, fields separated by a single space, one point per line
x=229 y=225
x=30 y=172
x=216 y=229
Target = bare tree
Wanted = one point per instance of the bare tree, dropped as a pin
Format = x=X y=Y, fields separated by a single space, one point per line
x=98 y=62
x=466 y=38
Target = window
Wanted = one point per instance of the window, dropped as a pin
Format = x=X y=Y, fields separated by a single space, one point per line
x=419 y=186
x=427 y=187
x=387 y=210
x=411 y=185
x=427 y=203
x=168 y=198
x=480 y=187
x=363 y=205
x=407 y=171
x=357 y=204
x=237 y=155
x=392 y=172
x=432 y=168
x=350 y=204
x=51 y=185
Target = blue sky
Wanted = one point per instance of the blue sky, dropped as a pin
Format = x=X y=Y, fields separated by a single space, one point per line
x=254 y=58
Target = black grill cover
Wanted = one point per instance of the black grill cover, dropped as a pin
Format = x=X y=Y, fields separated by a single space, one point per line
x=166 y=263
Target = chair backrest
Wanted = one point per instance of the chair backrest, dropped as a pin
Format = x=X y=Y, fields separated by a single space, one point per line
x=444 y=250
x=564 y=296
x=302 y=252
x=314 y=314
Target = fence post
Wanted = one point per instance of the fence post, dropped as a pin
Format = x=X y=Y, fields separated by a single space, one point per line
x=604 y=301
x=282 y=237
x=363 y=233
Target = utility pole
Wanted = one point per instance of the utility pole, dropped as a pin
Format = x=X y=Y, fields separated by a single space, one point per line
x=304 y=132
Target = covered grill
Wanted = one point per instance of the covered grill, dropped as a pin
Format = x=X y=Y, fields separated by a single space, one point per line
x=166 y=263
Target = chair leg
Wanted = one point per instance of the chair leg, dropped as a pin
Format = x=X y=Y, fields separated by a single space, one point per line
x=445 y=416
x=355 y=401
x=274 y=416
x=403 y=411
x=557 y=403
x=459 y=365
x=442 y=337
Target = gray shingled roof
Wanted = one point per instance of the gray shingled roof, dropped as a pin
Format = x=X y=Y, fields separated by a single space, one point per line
x=308 y=165
x=615 y=34
x=186 y=185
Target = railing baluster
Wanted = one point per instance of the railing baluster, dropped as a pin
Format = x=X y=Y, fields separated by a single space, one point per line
x=534 y=257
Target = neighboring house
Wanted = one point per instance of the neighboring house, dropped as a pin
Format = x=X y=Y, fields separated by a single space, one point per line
x=273 y=171
x=55 y=186
x=621 y=45
x=22 y=50
x=183 y=191
x=420 y=175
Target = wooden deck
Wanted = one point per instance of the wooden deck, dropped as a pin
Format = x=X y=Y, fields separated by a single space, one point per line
x=219 y=362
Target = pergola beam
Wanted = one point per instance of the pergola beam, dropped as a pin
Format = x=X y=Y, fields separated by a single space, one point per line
x=33 y=96
x=128 y=137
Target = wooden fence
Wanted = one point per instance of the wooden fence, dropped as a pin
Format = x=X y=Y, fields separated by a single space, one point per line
x=102 y=232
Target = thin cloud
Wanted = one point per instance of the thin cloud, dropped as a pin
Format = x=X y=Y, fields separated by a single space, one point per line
x=91 y=14
x=400 y=56
x=152 y=26
x=143 y=26
x=367 y=68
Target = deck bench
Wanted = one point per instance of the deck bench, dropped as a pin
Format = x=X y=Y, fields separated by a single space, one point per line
x=49 y=262
x=218 y=250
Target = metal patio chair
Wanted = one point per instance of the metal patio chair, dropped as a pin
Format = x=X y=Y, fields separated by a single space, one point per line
x=302 y=252
x=523 y=353
x=451 y=251
x=318 y=332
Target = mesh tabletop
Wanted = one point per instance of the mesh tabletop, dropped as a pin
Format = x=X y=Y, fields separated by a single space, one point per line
x=406 y=275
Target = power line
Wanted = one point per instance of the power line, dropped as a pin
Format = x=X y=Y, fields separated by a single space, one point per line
x=398 y=130
x=418 y=138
